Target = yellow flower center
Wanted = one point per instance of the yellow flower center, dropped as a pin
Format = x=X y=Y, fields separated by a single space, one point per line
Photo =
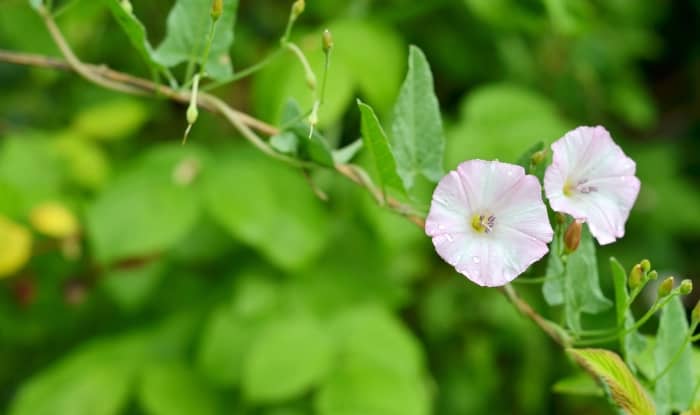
x=483 y=223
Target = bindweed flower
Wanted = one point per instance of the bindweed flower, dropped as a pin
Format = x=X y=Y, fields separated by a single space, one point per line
x=487 y=220
x=591 y=179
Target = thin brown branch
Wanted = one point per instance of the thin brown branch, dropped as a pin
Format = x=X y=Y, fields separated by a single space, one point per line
x=551 y=329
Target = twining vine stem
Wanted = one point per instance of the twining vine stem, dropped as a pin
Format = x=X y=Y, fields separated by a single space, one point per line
x=246 y=125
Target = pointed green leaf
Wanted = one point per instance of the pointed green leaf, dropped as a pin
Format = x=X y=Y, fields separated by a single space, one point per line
x=347 y=153
x=377 y=145
x=612 y=372
x=674 y=390
x=579 y=289
x=418 y=142
x=632 y=343
x=134 y=30
x=188 y=28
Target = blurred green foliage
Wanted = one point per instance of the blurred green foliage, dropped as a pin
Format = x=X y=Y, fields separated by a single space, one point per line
x=210 y=279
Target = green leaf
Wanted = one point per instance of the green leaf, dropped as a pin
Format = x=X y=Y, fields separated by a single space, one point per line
x=134 y=30
x=579 y=384
x=94 y=380
x=579 y=289
x=290 y=356
x=131 y=288
x=674 y=390
x=36 y=4
x=285 y=142
x=380 y=370
x=187 y=32
x=17 y=155
x=146 y=210
x=111 y=120
x=174 y=389
x=347 y=153
x=612 y=372
x=267 y=206
x=418 y=141
x=313 y=147
x=377 y=144
x=631 y=343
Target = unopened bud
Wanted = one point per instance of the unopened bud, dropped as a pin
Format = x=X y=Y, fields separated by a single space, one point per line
x=538 y=157
x=666 y=287
x=646 y=265
x=311 y=80
x=217 y=8
x=686 y=287
x=54 y=219
x=298 y=8
x=635 y=278
x=572 y=236
x=327 y=41
x=127 y=7
x=653 y=275
x=192 y=114
x=695 y=314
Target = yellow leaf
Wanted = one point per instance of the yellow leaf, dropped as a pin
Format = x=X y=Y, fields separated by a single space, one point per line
x=15 y=246
x=54 y=219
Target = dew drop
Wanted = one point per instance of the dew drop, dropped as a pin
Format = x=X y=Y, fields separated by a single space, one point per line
x=476 y=259
x=449 y=237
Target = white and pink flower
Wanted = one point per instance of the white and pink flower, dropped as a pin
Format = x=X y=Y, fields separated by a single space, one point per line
x=487 y=219
x=591 y=179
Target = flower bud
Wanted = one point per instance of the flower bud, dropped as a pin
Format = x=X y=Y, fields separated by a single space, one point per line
x=635 y=277
x=192 y=114
x=666 y=287
x=686 y=287
x=327 y=41
x=695 y=314
x=127 y=7
x=572 y=236
x=653 y=275
x=217 y=8
x=646 y=265
x=538 y=157
x=298 y=8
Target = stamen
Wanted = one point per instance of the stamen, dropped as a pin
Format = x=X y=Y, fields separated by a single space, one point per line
x=580 y=187
x=483 y=223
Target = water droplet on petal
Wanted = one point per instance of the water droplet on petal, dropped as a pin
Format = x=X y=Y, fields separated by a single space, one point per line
x=476 y=259
x=449 y=238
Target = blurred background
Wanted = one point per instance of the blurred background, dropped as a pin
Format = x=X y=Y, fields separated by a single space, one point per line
x=208 y=279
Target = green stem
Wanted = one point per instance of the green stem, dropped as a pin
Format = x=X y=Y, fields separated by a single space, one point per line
x=245 y=72
x=324 y=78
x=207 y=48
x=677 y=355
x=659 y=304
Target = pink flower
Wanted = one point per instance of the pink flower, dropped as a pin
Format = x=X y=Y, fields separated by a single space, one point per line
x=592 y=180
x=487 y=220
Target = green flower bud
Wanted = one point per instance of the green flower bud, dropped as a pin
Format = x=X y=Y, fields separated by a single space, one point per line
x=695 y=314
x=538 y=157
x=653 y=275
x=561 y=218
x=217 y=8
x=666 y=287
x=646 y=265
x=686 y=287
x=298 y=8
x=327 y=41
x=126 y=6
x=192 y=114
x=634 y=279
